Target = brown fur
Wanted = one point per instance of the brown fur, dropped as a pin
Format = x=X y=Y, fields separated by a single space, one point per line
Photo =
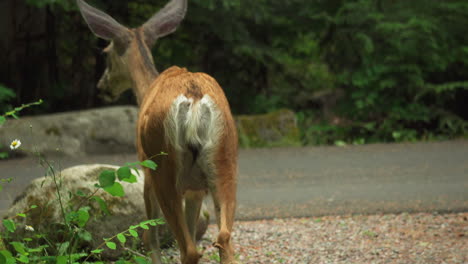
x=156 y=94
x=170 y=84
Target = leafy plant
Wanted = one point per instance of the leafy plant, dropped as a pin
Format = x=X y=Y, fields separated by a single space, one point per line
x=14 y=113
x=41 y=249
x=36 y=247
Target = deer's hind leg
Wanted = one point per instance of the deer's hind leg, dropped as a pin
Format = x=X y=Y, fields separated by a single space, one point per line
x=170 y=202
x=193 y=204
x=224 y=197
x=222 y=174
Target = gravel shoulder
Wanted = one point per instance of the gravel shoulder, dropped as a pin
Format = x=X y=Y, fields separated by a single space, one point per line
x=420 y=238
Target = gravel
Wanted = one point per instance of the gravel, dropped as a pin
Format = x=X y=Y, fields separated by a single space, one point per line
x=388 y=238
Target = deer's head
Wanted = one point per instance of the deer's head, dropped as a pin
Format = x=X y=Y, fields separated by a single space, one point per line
x=128 y=54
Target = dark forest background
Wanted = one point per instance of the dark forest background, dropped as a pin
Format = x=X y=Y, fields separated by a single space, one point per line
x=356 y=71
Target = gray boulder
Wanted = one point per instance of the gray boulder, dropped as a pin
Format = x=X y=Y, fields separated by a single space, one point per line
x=125 y=211
x=97 y=131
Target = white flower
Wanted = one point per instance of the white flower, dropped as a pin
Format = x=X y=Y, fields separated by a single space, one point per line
x=29 y=228
x=15 y=144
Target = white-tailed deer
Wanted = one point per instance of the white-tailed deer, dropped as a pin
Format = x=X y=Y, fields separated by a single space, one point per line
x=181 y=113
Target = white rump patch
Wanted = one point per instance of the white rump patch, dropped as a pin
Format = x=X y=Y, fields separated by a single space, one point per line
x=194 y=124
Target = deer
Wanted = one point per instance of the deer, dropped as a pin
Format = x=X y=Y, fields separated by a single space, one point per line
x=181 y=113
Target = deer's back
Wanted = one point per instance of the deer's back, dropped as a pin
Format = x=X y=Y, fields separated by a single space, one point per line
x=187 y=110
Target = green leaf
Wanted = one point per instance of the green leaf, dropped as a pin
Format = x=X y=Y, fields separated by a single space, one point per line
x=97 y=251
x=33 y=206
x=132 y=164
x=102 y=204
x=62 y=250
x=6 y=257
x=115 y=190
x=38 y=249
x=9 y=225
x=23 y=259
x=19 y=247
x=121 y=261
x=131 y=179
x=111 y=245
x=340 y=143
x=121 y=238
x=144 y=226
x=149 y=164
x=133 y=232
x=71 y=217
x=4 y=155
x=62 y=259
x=21 y=215
x=141 y=260
x=2 y=120
x=85 y=235
x=396 y=135
x=80 y=193
x=83 y=217
x=107 y=178
x=153 y=222
x=137 y=171
x=124 y=173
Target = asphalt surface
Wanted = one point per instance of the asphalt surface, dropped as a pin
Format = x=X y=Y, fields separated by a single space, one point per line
x=314 y=181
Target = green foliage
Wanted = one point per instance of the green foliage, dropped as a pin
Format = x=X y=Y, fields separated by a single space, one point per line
x=9 y=225
x=402 y=63
x=263 y=59
x=66 y=4
x=107 y=178
x=6 y=95
x=14 y=113
x=149 y=164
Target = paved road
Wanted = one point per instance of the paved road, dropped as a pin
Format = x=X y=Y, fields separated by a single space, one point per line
x=312 y=181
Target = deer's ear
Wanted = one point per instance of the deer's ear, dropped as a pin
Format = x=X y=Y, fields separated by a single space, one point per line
x=165 y=21
x=100 y=23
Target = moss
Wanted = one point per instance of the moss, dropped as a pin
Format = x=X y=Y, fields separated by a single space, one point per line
x=53 y=131
x=275 y=129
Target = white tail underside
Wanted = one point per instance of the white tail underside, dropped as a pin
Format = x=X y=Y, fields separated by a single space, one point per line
x=193 y=123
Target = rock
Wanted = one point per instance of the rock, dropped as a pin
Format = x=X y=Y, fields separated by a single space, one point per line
x=97 y=131
x=274 y=129
x=125 y=211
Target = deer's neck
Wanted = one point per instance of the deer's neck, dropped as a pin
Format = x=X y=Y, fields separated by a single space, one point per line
x=143 y=71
